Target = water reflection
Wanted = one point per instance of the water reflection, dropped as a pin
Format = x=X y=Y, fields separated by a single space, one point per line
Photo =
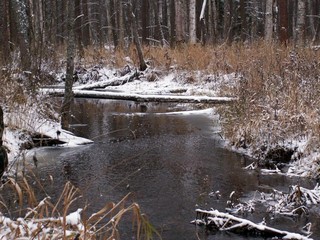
x=169 y=162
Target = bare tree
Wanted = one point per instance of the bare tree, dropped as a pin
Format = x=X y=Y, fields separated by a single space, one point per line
x=143 y=65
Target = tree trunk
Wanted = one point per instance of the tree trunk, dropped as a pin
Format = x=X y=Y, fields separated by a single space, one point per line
x=121 y=25
x=78 y=28
x=4 y=36
x=159 y=35
x=172 y=23
x=312 y=11
x=268 y=28
x=283 y=21
x=113 y=24
x=180 y=21
x=68 y=95
x=227 y=20
x=1 y=124
x=3 y=151
x=86 y=39
x=243 y=15
x=22 y=23
x=214 y=22
x=192 y=22
x=301 y=14
x=145 y=21
x=136 y=40
x=316 y=35
x=202 y=21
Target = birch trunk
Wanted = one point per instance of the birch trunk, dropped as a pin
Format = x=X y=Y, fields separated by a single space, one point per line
x=192 y=22
x=268 y=21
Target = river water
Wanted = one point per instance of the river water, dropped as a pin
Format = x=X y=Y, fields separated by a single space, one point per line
x=170 y=162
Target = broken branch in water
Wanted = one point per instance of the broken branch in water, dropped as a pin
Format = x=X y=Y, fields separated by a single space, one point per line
x=227 y=222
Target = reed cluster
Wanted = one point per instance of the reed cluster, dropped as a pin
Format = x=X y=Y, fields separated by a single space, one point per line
x=58 y=219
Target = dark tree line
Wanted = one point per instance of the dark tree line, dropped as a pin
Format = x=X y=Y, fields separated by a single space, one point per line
x=36 y=27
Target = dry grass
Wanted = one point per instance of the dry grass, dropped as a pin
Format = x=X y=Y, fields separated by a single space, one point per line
x=47 y=220
x=184 y=57
x=278 y=92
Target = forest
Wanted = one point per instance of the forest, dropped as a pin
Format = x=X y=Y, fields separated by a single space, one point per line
x=36 y=28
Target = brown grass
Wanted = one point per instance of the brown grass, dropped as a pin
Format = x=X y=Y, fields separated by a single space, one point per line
x=48 y=220
x=278 y=92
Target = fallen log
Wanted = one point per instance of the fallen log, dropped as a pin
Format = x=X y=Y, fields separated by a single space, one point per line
x=116 y=81
x=141 y=97
x=227 y=222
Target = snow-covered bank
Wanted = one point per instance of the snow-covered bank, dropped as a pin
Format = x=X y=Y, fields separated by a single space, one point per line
x=228 y=222
x=26 y=123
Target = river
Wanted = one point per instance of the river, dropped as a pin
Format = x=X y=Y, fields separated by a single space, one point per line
x=170 y=162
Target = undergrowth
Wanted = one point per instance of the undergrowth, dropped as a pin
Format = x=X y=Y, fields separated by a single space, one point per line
x=278 y=91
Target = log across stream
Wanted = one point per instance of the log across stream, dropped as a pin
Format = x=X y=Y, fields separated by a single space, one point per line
x=142 y=97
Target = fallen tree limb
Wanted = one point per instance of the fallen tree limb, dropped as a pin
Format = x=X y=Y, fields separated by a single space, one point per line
x=116 y=81
x=227 y=222
x=141 y=97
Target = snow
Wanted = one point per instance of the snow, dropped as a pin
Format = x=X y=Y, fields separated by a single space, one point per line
x=19 y=131
x=222 y=220
x=142 y=97
x=25 y=228
x=74 y=218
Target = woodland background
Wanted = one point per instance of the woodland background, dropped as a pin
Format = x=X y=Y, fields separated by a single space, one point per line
x=35 y=28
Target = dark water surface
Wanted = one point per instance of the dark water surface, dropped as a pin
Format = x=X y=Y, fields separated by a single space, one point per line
x=170 y=162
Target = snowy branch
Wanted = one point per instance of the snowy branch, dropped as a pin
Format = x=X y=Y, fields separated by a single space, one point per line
x=228 y=222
